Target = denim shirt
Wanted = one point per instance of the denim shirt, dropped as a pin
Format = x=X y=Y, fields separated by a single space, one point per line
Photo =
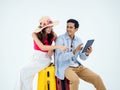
x=67 y=58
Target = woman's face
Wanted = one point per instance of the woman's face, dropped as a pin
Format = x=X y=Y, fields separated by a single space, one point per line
x=48 y=29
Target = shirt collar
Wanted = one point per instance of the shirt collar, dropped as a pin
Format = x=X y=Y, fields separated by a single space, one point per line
x=67 y=36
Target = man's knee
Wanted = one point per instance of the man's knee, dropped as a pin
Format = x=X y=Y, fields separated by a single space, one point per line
x=97 y=78
x=75 y=81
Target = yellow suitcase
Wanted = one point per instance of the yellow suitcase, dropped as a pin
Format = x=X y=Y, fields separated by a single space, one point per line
x=46 y=79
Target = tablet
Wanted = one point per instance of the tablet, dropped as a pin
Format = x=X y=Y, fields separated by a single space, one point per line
x=88 y=44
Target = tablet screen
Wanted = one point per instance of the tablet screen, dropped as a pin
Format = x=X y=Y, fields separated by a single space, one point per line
x=88 y=44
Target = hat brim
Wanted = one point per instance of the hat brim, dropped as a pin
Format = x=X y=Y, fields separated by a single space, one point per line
x=53 y=24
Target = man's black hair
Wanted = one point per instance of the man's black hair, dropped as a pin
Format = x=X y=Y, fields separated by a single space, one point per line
x=76 y=23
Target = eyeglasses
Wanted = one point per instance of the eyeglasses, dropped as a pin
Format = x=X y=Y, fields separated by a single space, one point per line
x=71 y=47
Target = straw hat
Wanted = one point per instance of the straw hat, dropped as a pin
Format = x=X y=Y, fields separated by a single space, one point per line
x=45 y=22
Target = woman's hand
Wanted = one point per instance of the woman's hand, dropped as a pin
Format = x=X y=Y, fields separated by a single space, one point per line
x=63 y=48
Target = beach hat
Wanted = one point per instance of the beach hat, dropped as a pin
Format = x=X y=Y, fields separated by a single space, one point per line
x=45 y=22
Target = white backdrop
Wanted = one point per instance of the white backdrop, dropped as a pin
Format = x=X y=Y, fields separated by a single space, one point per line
x=99 y=19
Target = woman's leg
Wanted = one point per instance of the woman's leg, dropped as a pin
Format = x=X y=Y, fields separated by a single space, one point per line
x=27 y=73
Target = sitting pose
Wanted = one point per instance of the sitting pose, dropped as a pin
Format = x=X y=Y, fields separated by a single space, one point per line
x=43 y=37
x=67 y=64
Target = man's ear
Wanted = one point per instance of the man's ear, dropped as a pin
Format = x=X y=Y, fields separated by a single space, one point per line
x=76 y=29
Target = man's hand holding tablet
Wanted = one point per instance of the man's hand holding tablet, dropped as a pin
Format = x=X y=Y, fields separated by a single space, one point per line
x=88 y=44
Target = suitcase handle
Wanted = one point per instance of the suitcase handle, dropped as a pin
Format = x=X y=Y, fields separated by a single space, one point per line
x=48 y=74
x=48 y=83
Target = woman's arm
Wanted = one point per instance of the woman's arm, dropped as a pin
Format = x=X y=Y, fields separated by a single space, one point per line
x=45 y=47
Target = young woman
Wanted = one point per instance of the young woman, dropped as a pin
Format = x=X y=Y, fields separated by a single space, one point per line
x=42 y=38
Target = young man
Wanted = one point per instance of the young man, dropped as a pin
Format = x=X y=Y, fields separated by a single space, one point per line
x=66 y=62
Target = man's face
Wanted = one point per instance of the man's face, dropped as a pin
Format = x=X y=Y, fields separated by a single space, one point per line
x=71 y=29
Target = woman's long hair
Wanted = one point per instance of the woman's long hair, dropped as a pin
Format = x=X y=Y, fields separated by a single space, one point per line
x=42 y=36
